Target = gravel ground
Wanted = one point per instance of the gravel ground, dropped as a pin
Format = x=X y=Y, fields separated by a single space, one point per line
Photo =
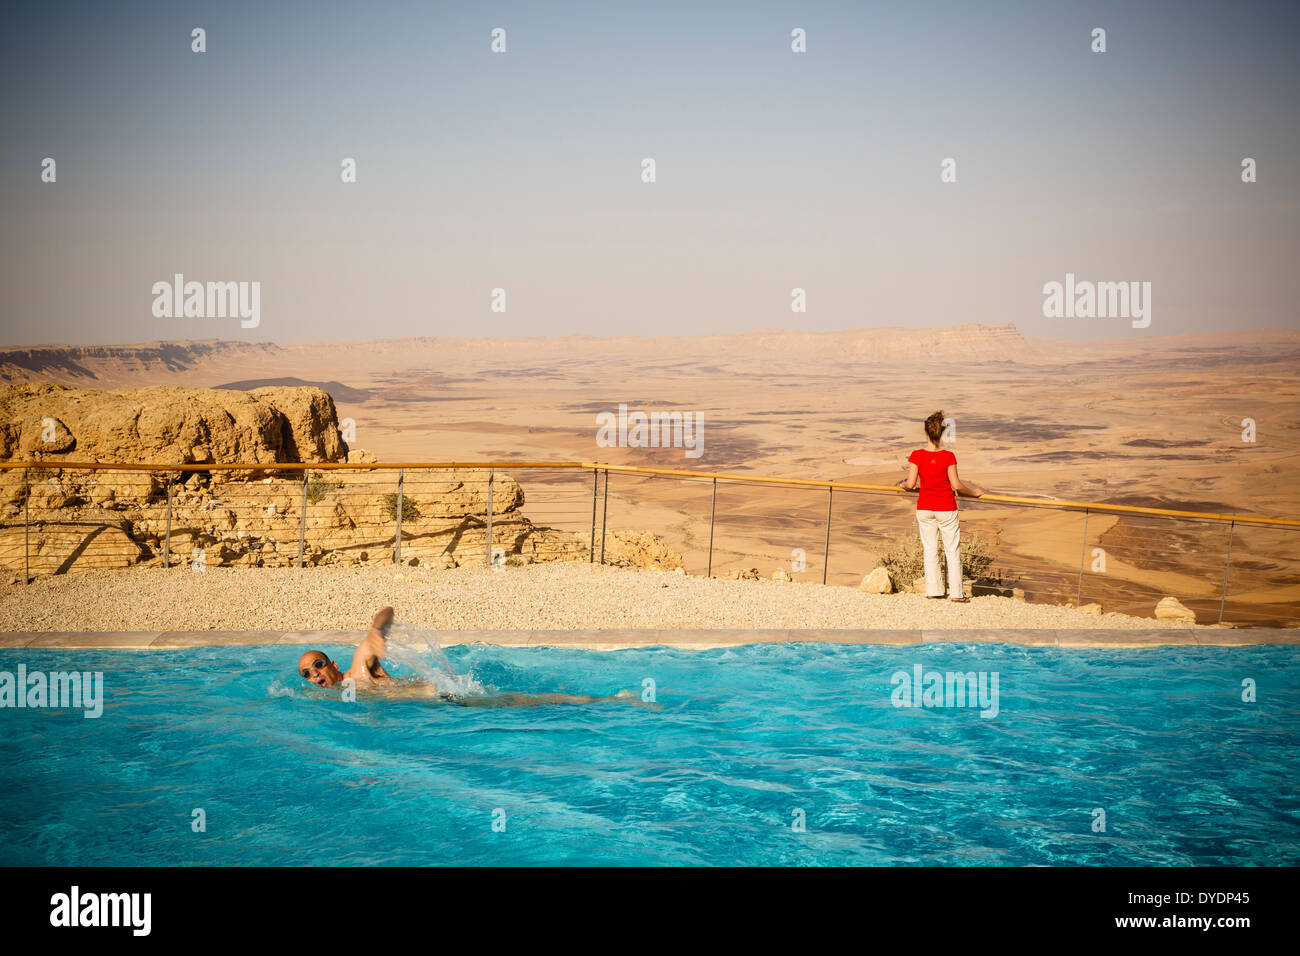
x=532 y=597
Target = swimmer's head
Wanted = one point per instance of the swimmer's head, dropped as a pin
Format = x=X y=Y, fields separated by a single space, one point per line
x=317 y=667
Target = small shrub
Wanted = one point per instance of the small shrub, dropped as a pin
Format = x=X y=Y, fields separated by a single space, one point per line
x=907 y=561
x=409 y=511
x=318 y=487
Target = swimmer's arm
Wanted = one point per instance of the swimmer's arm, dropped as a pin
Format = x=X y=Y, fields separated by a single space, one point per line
x=365 y=662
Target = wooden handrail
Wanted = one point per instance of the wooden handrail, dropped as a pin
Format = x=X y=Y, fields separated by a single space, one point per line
x=642 y=470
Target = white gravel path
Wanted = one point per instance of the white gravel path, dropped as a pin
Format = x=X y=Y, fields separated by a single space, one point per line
x=531 y=597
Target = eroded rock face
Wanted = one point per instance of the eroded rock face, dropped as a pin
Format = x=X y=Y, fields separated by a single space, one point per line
x=69 y=519
x=81 y=543
x=168 y=425
x=639 y=549
x=1172 y=609
x=81 y=519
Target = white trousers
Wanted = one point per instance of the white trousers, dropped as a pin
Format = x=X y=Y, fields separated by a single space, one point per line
x=932 y=525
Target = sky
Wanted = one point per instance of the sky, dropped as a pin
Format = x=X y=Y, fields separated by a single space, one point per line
x=522 y=170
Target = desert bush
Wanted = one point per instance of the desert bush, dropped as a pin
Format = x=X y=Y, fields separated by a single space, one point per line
x=409 y=511
x=318 y=487
x=906 y=561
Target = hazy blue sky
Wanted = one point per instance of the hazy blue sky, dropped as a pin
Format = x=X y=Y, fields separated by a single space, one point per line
x=775 y=170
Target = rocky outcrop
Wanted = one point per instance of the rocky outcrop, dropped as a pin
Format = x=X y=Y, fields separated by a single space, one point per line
x=66 y=519
x=1172 y=609
x=877 y=582
x=639 y=549
x=168 y=425
x=73 y=520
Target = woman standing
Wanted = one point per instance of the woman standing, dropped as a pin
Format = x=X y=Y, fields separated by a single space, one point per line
x=935 y=469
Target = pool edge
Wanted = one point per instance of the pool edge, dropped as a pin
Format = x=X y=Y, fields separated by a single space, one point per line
x=692 y=639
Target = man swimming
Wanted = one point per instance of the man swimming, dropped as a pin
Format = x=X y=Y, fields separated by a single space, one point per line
x=368 y=670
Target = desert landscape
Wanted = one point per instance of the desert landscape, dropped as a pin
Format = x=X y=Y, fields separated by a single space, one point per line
x=1156 y=422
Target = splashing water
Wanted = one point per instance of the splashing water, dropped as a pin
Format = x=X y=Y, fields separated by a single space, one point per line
x=419 y=650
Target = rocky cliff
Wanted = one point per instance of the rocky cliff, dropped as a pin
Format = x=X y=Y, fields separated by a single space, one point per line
x=168 y=425
x=55 y=519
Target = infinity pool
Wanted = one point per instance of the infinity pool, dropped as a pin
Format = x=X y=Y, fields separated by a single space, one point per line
x=766 y=754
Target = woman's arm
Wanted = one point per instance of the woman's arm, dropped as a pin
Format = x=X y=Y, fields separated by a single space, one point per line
x=912 y=479
x=974 y=491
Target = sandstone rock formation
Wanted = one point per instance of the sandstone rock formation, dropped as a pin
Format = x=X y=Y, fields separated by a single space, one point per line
x=640 y=549
x=877 y=582
x=168 y=425
x=1172 y=609
x=66 y=519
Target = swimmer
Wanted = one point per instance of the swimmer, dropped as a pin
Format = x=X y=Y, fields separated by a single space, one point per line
x=368 y=670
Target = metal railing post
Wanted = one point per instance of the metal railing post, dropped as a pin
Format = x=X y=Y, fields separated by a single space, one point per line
x=167 y=538
x=604 y=513
x=302 y=518
x=1226 y=566
x=713 y=510
x=397 y=539
x=491 y=476
x=595 y=486
x=826 y=556
x=1083 y=556
x=27 y=527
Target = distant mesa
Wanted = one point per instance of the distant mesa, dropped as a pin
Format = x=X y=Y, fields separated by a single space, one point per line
x=91 y=363
x=337 y=390
x=555 y=358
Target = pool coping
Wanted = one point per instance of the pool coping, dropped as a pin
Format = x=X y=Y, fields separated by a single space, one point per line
x=689 y=639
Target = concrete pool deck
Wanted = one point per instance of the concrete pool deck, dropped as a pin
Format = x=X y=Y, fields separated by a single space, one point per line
x=700 y=639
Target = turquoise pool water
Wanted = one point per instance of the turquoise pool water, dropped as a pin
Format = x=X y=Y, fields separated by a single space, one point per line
x=748 y=743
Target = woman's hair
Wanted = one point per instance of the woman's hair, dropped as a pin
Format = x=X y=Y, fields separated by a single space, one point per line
x=934 y=427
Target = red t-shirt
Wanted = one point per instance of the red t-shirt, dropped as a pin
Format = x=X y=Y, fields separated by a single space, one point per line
x=936 y=493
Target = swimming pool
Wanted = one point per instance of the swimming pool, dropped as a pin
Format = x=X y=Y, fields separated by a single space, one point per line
x=764 y=754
